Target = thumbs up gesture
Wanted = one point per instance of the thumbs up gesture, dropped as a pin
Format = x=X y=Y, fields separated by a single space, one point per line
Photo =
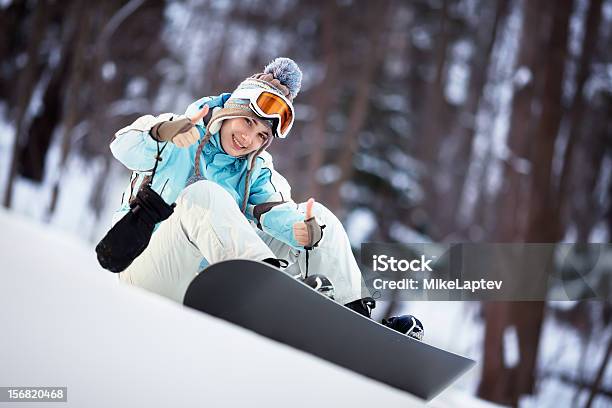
x=200 y=115
x=181 y=132
x=308 y=233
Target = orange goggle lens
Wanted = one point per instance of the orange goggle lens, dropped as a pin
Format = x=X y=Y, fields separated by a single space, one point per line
x=271 y=104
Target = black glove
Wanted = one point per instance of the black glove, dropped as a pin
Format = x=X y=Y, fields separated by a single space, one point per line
x=132 y=233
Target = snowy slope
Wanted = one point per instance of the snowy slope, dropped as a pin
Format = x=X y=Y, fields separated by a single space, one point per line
x=66 y=322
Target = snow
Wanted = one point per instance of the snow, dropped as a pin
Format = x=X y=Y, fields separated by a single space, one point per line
x=421 y=38
x=7 y=132
x=79 y=175
x=458 y=328
x=453 y=326
x=125 y=107
x=328 y=174
x=360 y=223
x=68 y=261
x=599 y=233
x=109 y=70
x=69 y=323
x=575 y=39
x=511 y=347
x=566 y=354
x=456 y=87
x=522 y=77
x=407 y=235
x=137 y=87
x=394 y=102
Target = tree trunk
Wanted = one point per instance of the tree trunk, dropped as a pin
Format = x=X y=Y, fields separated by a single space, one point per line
x=323 y=95
x=378 y=17
x=26 y=84
x=432 y=118
x=73 y=95
x=527 y=317
x=586 y=208
x=600 y=375
x=33 y=154
x=509 y=224
x=11 y=44
x=494 y=373
x=541 y=226
x=577 y=111
x=447 y=217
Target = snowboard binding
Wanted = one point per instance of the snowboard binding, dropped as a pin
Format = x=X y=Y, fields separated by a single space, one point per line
x=321 y=284
x=362 y=306
x=406 y=324
x=276 y=262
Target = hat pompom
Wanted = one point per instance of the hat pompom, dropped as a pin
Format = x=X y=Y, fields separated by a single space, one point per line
x=287 y=72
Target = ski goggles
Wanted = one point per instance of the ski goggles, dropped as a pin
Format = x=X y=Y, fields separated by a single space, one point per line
x=268 y=104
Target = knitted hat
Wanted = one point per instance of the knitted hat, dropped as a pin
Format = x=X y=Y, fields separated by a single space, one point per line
x=281 y=75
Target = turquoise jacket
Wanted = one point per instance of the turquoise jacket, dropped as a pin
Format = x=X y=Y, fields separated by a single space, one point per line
x=136 y=149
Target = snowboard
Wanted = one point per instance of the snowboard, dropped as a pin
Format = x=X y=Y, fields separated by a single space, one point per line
x=262 y=298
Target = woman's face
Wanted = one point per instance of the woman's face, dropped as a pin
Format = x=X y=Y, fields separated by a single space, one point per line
x=241 y=136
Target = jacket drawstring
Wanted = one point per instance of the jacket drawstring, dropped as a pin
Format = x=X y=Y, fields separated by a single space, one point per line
x=250 y=164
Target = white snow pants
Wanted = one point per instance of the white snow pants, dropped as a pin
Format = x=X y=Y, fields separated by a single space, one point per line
x=207 y=224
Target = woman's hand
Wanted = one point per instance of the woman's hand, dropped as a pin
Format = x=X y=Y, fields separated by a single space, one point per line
x=300 y=229
x=186 y=139
x=181 y=132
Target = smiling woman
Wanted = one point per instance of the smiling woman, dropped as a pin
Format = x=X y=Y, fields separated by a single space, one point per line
x=241 y=136
x=223 y=185
x=229 y=203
